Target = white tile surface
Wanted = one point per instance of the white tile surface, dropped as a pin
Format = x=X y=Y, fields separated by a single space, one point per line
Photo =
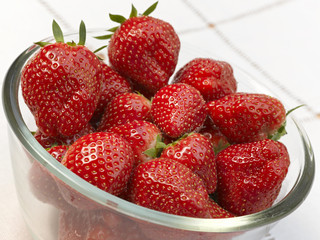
x=278 y=40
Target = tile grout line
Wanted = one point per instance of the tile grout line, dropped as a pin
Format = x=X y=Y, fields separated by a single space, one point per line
x=56 y=16
x=253 y=12
x=213 y=26
x=267 y=75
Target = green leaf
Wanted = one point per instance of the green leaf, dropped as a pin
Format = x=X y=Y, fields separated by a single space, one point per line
x=57 y=32
x=150 y=9
x=113 y=29
x=117 y=18
x=160 y=145
x=134 y=12
x=151 y=152
x=282 y=130
x=82 y=34
x=104 y=37
x=100 y=48
x=157 y=149
x=279 y=133
x=42 y=44
x=293 y=109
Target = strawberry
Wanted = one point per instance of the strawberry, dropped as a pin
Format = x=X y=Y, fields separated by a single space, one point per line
x=247 y=117
x=214 y=135
x=168 y=186
x=142 y=136
x=178 y=109
x=196 y=152
x=125 y=108
x=144 y=49
x=58 y=152
x=96 y=225
x=214 y=79
x=49 y=141
x=102 y=159
x=43 y=184
x=250 y=175
x=61 y=85
x=73 y=225
x=112 y=85
x=110 y=226
x=217 y=211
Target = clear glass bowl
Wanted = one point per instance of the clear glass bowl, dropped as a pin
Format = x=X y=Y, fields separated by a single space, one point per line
x=113 y=217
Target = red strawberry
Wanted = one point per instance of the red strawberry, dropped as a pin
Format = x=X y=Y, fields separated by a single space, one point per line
x=217 y=211
x=125 y=108
x=213 y=134
x=48 y=142
x=58 y=152
x=102 y=159
x=178 y=109
x=112 y=85
x=73 y=225
x=214 y=79
x=97 y=225
x=141 y=135
x=43 y=184
x=111 y=227
x=196 y=152
x=169 y=186
x=250 y=175
x=144 y=49
x=61 y=85
x=247 y=117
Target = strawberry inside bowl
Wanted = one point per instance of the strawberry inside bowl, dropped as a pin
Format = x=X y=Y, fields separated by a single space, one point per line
x=59 y=203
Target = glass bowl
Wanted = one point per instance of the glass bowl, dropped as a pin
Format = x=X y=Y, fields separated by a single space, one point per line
x=115 y=218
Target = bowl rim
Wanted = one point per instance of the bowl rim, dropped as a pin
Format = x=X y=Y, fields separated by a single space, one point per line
x=271 y=215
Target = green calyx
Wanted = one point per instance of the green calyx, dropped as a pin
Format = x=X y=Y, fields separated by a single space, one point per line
x=282 y=130
x=121 y=19
x=157 y=149
x=59 y=37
